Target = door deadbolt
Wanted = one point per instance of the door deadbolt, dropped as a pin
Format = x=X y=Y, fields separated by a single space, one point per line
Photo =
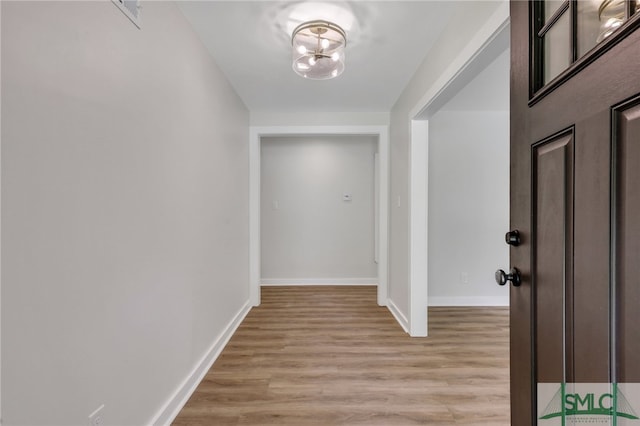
x=512 y=238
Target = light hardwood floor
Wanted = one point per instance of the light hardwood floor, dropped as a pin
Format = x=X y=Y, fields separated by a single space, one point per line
x=331 y=356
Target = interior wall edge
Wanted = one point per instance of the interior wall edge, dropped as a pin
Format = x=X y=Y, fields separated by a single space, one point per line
x=400 y=317
x=171 y=408
x=493 y=28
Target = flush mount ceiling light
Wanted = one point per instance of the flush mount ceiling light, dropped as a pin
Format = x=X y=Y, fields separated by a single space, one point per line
x=318 y=50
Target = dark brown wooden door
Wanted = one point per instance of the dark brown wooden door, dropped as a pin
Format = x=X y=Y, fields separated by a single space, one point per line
x=575 y=198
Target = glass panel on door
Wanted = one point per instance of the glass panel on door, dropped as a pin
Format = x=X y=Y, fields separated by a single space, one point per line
x=589 y=26
x=565 y=31
x=557 y=48
x=611 y=14
x=551 y=7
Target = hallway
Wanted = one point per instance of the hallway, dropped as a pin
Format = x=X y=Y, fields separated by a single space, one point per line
x=330 y=356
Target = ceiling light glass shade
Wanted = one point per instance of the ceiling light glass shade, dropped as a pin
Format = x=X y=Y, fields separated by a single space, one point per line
x=612 y=14
x=318 y=50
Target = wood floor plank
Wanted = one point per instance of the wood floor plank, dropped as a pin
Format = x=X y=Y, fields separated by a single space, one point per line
x=330 y=356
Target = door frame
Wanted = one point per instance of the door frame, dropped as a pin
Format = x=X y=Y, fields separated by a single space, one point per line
x=487 y=44
x=255 y=138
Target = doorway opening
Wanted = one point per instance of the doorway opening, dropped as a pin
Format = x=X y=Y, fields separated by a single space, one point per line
x=317 y=210
x=257 y=137
x=469 y=191
x=428 y=122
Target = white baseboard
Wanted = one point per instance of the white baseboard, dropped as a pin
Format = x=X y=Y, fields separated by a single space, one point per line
x=470 y=301
x=317 y=281
x=176 y=402
x=398 y=315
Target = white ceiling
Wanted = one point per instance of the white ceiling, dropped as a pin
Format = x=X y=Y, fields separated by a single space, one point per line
x=386 y=42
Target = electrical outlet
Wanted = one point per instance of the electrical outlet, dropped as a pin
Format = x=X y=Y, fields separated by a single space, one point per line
x=96 y=418
x=464 y=278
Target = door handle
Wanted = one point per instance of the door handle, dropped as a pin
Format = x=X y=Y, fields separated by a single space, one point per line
x=512 y=238
x=513 y=276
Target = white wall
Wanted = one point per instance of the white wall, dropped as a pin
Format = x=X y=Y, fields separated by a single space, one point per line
x=275 y=118
x=468 y=206
x=308 y=232
x=124 y=210
x=463 y=26
x=469 y=191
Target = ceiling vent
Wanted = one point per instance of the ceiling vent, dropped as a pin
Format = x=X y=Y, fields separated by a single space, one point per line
x=131 y=8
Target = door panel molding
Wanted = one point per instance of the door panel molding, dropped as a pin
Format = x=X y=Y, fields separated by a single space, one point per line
x=625 y=240
x=552 y=180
